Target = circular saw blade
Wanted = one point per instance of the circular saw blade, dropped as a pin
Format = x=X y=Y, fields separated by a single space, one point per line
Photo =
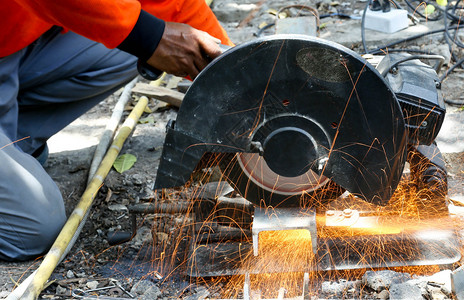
x=250 y=175
x=327 y=96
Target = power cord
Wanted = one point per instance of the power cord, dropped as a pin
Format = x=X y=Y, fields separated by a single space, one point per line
x=437 y=66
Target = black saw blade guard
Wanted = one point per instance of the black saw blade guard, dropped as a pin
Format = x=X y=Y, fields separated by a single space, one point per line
x=301 y=102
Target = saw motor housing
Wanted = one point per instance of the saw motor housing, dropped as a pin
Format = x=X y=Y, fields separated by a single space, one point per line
x=418 y=90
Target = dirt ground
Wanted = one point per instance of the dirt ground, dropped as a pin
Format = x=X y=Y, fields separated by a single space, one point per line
x=152 y=265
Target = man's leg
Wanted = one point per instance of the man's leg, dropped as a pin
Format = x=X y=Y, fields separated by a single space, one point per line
x=42 y=89
x=61 y=77
x=31 y=208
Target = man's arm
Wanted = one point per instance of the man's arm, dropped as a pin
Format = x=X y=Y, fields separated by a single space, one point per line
x=175 y=48
x=184 y=50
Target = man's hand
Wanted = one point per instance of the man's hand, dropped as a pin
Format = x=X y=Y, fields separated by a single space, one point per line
x=184 y=50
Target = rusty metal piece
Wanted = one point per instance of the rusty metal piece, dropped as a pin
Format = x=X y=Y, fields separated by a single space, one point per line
x=283 y=219
x=115 y=292
x=81 y=293
x=87 y=294
x=124 y=290
x=223 y=234
x=167 y=208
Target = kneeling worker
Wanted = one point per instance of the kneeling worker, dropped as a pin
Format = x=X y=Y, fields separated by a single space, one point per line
x=57 y=60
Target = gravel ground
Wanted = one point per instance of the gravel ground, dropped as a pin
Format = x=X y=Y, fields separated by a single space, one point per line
x=153 y=264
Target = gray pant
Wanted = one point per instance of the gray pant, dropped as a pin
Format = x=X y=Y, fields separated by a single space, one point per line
x=43 y=88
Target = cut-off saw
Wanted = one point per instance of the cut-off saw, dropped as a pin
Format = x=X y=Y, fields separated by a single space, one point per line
x=315 y=137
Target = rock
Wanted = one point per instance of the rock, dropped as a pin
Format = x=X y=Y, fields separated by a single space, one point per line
x=70 y=274
x=435 y=293
x=421 y=284
x=162 y=237
x=329 y=288
x=92 y=285
x=60 y=290
x=80 y=275
x=4 y=294
x=451 y=138
x=338 y=289
x=404 y=291
x=457 y=283
x=380 y=280
x=118 y=207
x=152 y=293
x=228 y=11
x=383 y=295
x=440 y=49
x=148 y=193
x=147 y=289
x=143 y=237
x=443 y=49
x=443 y=279
x=137 y=179
x=141 y=286
x=200 y=294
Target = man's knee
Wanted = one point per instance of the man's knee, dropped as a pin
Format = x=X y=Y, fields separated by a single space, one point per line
x=31 y=207
x=30 y=240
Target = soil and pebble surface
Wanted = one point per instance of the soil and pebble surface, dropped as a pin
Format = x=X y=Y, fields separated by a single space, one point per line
x=153 y=264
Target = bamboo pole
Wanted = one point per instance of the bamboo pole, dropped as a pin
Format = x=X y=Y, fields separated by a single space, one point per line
x=110 y=129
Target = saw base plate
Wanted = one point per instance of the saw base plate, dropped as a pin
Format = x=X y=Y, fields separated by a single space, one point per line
x=351 y=234
x=420 y=248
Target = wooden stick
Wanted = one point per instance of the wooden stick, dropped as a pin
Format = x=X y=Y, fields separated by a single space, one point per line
x=160 y=93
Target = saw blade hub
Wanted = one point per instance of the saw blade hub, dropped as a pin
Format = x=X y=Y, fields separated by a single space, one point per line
x=290 y=151
x=292 y=144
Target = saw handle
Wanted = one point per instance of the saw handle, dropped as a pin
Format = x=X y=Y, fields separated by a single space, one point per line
x=148 y=72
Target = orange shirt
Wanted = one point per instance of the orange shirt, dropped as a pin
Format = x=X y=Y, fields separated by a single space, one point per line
x=196 y=13
x=106 y=21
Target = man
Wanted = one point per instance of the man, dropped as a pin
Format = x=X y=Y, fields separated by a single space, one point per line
x=57 y=60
